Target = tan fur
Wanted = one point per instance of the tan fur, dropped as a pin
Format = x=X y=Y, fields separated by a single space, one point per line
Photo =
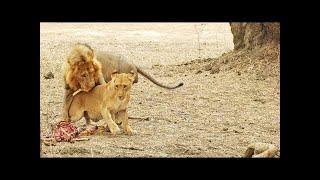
x=82 y=57
x=81 y=71
x=105 y=102
x=111 y=62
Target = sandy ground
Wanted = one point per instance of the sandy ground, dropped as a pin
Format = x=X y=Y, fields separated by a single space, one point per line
x=212 y=115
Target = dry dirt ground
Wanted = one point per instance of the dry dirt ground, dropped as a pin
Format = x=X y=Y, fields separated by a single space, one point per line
x=212 y=115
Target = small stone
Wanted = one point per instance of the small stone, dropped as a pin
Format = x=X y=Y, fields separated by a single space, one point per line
x=225 y=129
x=260 y=100
x=215 y=70
x=207 y=67
x=239 y=73
x=49 y=75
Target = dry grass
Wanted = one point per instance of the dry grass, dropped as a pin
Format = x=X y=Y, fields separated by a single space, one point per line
x=212 y=115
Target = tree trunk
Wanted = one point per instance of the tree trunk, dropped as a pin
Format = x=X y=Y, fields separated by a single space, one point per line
x=252 y=35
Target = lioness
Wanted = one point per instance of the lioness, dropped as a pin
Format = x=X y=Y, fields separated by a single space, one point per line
x=107 y=102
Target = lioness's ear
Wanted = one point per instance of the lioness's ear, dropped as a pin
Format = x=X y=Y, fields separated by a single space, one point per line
x=114 y=72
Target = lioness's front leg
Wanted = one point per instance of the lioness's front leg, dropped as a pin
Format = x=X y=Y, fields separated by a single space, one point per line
x=113 y=127
x=66 y=102
x=123 y=117
x=116 y=119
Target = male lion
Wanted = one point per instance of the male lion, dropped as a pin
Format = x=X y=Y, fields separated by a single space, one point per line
x=110 y=62
x=82 y=72
x=107 y=102
x=82 y=69
x=86 y=69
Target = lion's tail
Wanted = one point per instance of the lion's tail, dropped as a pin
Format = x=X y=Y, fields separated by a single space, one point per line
x=146 y=75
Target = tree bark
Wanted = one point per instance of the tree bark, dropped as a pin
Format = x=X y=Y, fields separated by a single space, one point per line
x=252 y=35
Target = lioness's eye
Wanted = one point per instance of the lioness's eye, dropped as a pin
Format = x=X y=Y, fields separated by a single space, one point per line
x=124 y=86
x=117 y=86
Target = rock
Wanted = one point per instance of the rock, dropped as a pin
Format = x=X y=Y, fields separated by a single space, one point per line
x=239 y=73
x=49 y=75
x=214 y=70
x=261 y=150
x=207 y=67
x=199 y=72
x=225 y=129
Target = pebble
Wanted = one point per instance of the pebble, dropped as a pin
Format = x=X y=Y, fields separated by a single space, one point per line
x=215 y=70
x=199 y=72
x=49 y=75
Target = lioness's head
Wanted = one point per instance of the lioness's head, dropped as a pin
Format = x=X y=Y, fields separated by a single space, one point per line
x=122 y=83
x=85 y=74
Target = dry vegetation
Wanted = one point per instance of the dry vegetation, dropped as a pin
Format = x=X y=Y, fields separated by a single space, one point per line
x=227 y=102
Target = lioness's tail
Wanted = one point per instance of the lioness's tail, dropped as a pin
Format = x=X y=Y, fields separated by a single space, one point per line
x=155 y=81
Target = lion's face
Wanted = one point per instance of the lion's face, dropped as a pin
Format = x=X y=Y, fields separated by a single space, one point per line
x=85 y=75
x=122 y=83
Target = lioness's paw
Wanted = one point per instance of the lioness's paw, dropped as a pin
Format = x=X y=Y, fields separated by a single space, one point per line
x=129 y=131
x=115 y=130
